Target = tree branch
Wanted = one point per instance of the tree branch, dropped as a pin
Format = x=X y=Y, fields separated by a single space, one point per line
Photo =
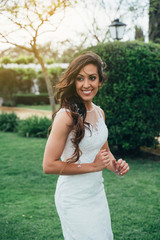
x=15 y=44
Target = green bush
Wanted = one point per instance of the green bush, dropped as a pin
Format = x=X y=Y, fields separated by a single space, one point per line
x=24 y=60
x=31 y=99
x=131 y=96
x=6 y=60
x=25 y=77
x=8 y=122
x=54 y=74
x=18 y=60
x=8 y=85
x=34 y=127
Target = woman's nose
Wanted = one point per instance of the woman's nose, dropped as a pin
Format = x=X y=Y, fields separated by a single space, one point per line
x=86 y=83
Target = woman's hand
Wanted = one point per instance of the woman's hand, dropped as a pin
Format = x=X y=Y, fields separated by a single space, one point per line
x=121 y=167
x=102 y=160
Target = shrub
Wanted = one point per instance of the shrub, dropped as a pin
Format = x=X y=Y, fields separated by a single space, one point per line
x=25 y=79
x=131 y=96
x=24 y=59
x=8 y=122
x=34 y=127
x=54 y=74
x=31 y=99
x=8 y=85
x=6 y=60
x=18 y=60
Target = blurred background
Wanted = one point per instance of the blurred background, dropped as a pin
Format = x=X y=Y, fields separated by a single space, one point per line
x=38 y=40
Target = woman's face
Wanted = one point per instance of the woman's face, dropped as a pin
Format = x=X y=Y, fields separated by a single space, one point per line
x=87 y=83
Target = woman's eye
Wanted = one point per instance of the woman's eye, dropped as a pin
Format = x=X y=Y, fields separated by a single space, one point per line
x=79 y=79
x=92 y=78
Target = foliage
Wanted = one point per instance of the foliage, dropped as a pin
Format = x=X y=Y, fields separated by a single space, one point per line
x=54 y=74
x=18 y=60
x=50 y=61
x=130 y=97
x=154 y=21
x=31 y=99
x=8 y=85
x=34 y=127
x=8 y=122
x=25 y=77
x=24 y=60
x=6 y=60
x=22 y=80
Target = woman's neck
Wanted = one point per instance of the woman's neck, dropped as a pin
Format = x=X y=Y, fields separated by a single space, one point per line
x=89 y=106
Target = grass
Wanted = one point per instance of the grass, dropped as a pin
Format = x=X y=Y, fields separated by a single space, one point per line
x=27 y=195
x=39 y=107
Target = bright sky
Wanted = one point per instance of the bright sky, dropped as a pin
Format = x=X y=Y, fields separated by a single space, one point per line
x=79 y=19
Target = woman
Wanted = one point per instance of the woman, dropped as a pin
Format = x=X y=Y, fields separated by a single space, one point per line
x=79 y=137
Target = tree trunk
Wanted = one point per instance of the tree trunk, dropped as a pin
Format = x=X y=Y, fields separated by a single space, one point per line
x=48 y=83
x=154 y=21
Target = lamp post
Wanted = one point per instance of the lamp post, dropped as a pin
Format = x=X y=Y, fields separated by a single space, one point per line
x=117 y=29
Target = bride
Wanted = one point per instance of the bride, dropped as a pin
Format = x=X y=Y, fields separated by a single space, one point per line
x=77 y=150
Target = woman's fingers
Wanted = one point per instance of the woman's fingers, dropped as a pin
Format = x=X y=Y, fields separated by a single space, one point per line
x=119 y=164
x=122 y=167
x=124 y=171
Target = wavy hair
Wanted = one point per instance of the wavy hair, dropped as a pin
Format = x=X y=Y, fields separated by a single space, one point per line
x=69 y=99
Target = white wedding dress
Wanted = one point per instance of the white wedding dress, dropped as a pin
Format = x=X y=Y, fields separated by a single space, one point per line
x=80 y=199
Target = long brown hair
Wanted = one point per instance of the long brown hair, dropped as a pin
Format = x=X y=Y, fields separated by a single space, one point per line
x=69 y=99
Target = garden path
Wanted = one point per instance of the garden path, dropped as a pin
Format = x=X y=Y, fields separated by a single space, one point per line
x=24 y=113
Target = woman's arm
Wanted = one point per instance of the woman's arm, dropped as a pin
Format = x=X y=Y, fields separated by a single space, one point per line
x=52 y=164
x=112 y=165
x=119 y=167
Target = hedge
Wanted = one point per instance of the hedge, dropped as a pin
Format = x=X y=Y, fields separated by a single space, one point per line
x=31 y=99
x=131 y=96
x=8 y=122
x=34 y=127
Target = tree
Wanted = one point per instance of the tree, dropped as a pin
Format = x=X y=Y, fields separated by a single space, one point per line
x=3 y=3
x=31 y=17
x=154 y=21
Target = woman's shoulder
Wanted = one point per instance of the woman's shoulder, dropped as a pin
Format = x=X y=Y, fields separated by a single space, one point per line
x=63 y=110
x=63 y=114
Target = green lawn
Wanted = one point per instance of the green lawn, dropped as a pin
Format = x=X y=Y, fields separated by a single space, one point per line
x=39 y=107
x=27 y=195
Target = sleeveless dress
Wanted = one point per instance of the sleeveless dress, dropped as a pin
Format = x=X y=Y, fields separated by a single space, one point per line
x=80 y=199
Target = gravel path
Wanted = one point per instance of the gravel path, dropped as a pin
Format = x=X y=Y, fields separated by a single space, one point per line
x=23 y=113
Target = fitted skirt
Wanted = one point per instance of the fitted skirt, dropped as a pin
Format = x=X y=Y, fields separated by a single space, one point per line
x=83 y=211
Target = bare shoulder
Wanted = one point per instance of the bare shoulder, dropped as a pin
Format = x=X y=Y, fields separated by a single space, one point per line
x=63 y=121
x=61 y=127
x=64 y=116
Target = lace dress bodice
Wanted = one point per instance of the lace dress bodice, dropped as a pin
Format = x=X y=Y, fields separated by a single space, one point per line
x=93 y=139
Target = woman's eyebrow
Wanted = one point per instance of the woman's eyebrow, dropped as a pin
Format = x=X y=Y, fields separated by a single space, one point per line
x=90 y=74
x=80 y=74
